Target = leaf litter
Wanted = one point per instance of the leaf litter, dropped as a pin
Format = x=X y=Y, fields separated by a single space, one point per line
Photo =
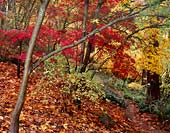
x=49 y=110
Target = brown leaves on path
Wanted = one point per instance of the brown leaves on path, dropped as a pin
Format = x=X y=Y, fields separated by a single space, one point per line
x=46 y=109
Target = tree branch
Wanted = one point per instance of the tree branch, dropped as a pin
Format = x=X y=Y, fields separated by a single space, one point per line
x=147 y=27
x=83 y=39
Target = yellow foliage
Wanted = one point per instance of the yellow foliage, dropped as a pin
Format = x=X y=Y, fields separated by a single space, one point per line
x=126 y=1
x=108 y=65
x=154 y=58
x=118 y=7
x=95 y=21
x=134 y=85
x=22 y=116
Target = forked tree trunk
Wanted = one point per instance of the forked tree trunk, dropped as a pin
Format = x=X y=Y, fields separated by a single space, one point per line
x=90 y=48
x=14 y=127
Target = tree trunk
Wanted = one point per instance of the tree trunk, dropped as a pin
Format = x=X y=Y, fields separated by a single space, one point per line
x=144 y=77
x=153 y=87
x=14 y=127
x=19 y=61
x=87 y=57
x=153 y=91
x=90 y=47
x=84 y=29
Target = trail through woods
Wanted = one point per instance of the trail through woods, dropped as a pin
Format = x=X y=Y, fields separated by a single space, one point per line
x=47 y=110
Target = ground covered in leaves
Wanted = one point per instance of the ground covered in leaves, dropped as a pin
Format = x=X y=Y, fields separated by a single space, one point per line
x=48 y=110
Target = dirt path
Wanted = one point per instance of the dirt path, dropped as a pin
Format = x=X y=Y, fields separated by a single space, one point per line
x=144 y=122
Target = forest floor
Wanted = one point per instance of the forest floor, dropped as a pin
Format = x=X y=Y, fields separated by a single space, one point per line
x=46 y=109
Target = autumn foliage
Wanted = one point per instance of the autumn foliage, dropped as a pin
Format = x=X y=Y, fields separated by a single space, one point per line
x=108 y=50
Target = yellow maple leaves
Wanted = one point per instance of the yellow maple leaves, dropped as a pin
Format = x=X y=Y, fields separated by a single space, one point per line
x=154 y=58
x=95 y=21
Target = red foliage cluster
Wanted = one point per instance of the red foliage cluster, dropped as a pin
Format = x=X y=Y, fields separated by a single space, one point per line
x=69 y=38
x=49 y=36
x=123 y=63
x=123 y=66
x=109 y=35
x=2 y=2
x=13 y=38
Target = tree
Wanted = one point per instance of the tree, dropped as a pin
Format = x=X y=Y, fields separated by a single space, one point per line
x=14 y=22
x=101 y=23
x=154 y=62
x=14 y=127
x=90 y=48
x=152 y=37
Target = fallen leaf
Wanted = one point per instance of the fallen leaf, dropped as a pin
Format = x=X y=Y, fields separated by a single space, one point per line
x=1 y=117
x=65 y=126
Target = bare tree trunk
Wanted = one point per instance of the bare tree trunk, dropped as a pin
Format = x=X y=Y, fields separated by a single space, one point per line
x=144 y=77
x=2 y=19
x=14 y=127
x=90 y=48
x=2 y=23
x=10 y=4
x=19 y=61
x=153 y=91
x=84 y=29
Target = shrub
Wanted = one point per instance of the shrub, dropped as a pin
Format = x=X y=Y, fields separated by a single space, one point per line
x=165 y=86
x=161 y=108
x=134 y=85
x=106 y=120
x=80 y=85
x=116 y=99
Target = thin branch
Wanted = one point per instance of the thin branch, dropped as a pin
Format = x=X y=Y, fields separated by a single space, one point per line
x=147 y=27
x=84 y=38
x=114 y=51
x=155 y=15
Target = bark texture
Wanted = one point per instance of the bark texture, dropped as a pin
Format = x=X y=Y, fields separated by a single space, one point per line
x=85 y=18
x=14 y=127
x=90 y=47
x=153 y=91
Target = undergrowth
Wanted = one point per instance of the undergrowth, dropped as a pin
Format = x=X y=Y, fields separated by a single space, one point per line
x=161 y=107
x=78 y=85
